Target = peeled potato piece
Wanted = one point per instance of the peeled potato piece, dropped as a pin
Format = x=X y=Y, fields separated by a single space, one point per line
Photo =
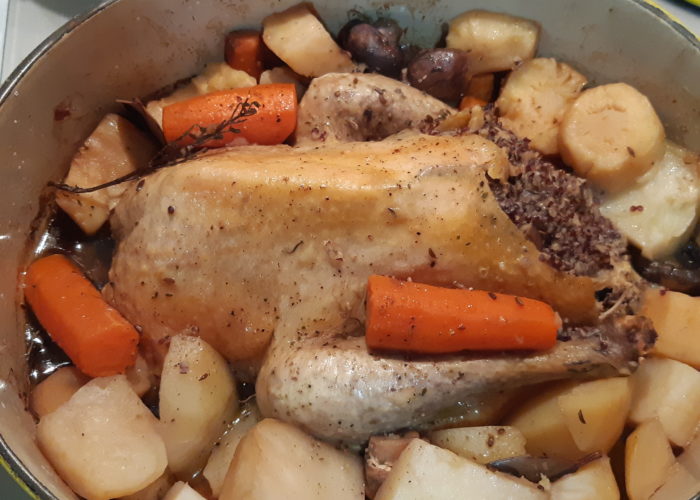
x=611 y=135
x=276 y=460
x=496 y=42
x=594 y=481
x=648 y=458
x=428 y=472
x=56 y=390
x=481 y=444
x=154 y=491
x=670 y=391
x=198 y=399
x=103 y=442
x=182 y=491
x=534 y=99
x=299 y=38
x=680 y=484
x=659 y=210
x=677 y=323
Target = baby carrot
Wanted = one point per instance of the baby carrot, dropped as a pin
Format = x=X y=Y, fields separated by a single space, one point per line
x=244 y=50
x=407 y=316
x=98 y=339
x=274 y=121
x=469 y=102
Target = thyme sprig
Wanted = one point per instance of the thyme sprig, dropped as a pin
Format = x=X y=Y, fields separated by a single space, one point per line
x=184 y=148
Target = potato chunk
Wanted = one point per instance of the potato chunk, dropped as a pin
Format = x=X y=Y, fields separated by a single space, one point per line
x=198 y=399
x=670 y=391
x=658 y=211
x=481 y=444
x=56 y=390
x=103 y=442
x=677 y=323
x=222 y=454
x=535 y=98
x=299 y=38
x=572 y=420
x=115 y=148
x=182 y=491
x=154 y=491
x=276 y=460
x=648 y=458
x=427 y=472
x=680 y=484
x=496 y=42
x=594 y=481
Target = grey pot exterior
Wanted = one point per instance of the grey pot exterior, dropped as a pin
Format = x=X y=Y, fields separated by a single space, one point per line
x=130 y=48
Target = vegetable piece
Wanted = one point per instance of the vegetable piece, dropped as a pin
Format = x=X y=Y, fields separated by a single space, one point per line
x=426 y=472
x=670 y=391
x=273 y=122
x=222 y=454
x=56 y=390
x=103 y=442
x=139 y=376
x=535 y=468
x=592 y=481
x=658 y=212
x=680 y=484
x=469 y=102
x=198 y=399
x=648 y=459
x=496 y=42
x=534 y=99
x=378 y=48
x=244 y=51
x=414 y=317
x=439 y=72
x=277 y=460
x=595 y=412
x=299 y=38
x=481 y=86
x=115 y=148
x=380 y=455
x=214 y=77
x=182 y=491
x=481 y=444
x=154 y=491
x=92 y=333
x=677 y=323
x=611 y=135
x=282 y=74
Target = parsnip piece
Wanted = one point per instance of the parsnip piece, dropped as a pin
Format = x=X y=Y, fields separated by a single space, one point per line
x=103 y=442
x=481 y=444
x=115 y=148
x=283 y=74
x=427 y=472
x=214 y=76
x=277 y=460
x=299 y=38
x=222 y=454
x=680 y=484
x=496 y=42
x=595 y=412
x=198 y=399
x=545 y=429
x=594 y=481
x=611 y=135
x=56 y=390
x=154 y=491
x=182 y=491
x=139 y=376
x=648 y=458
x=677 y=323
x=659 y=210
x=534 y=99
x=670 y=391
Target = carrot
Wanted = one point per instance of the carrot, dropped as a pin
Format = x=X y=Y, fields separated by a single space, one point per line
x=407 y=316
x=274 y=121
x=244 y=50
x=98 y=339
x=469 y=102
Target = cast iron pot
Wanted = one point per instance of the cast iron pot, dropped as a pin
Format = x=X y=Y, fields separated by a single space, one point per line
x=128 y=48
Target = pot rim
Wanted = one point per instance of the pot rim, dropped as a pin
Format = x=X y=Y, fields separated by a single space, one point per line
x=8 y=459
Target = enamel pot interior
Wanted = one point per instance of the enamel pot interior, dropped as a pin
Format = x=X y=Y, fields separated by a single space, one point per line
x=130 y=48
